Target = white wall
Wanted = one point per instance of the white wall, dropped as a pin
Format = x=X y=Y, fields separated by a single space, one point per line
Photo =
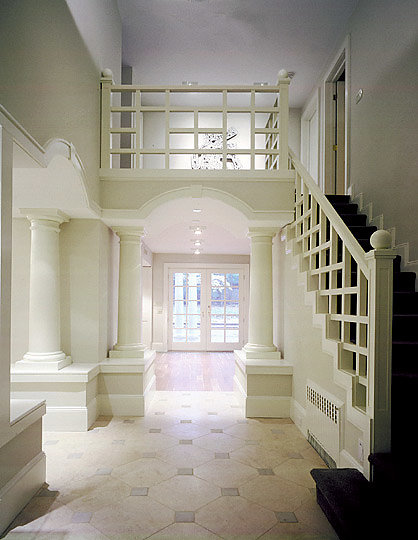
x=383 y=126
x=100 y=27
x=89 y=270
x=50 y=80
x=159 y=259
x=302 y=345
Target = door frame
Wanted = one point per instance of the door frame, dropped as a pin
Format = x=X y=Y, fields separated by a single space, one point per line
x=340 y=63
x=312 y=108
x=244 y=268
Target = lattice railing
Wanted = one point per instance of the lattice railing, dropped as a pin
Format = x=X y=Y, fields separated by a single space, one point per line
x=155 y=127
x=354 y=292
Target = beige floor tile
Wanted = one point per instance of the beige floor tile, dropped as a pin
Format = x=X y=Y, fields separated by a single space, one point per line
x=294 y=531
x=235 y=518
x=73 y=531
x=144 y=472
x=135 y=518
x=275 y=493
x=186 y=455
x=259 y=457
x=297 y=471
x=225 y=472
x=94 y=493
x=184 y=493
x=219 y=442
x=249 y=432
x=311 y=515
x=186 y=431
x=181 y=531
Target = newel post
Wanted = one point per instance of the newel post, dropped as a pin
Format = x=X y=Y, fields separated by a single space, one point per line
x=105 y=82
x=380 y=261
x=283 y=84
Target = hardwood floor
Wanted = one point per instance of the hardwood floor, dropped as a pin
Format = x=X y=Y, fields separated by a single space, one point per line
x=207 y=371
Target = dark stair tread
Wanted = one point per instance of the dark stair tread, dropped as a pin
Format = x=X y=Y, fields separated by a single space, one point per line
x=343 y=494
x=338 y=198
x=354 y=219
x=405 y=302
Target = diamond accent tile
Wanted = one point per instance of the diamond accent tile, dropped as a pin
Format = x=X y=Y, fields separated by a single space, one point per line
x=184 y=517
x=221 y=455
x=185 y=471
x=186 y=441
x=81 y=517
x=286 y=517
x=139 y=492
x=229 y=492
x=103 y=472
x=265 y=472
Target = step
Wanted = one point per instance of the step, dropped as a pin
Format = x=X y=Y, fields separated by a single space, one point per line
x=365 y=244
x=405 y=356
x=404 y=281
x=344 y=495
x=397 y=263
x=338 y=198
x=345 y=208
x=354 y=219
x=405 y=327
x=405 y=302
x=362 y=232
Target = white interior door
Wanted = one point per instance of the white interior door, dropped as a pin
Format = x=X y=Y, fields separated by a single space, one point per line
x=206 y=309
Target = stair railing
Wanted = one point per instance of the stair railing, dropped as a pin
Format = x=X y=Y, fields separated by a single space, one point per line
x=354 y=291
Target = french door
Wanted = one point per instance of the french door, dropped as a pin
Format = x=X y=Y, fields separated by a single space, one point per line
x=206 y=309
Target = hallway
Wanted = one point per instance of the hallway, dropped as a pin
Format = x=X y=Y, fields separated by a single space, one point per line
x=207 y=371
x=192 y=468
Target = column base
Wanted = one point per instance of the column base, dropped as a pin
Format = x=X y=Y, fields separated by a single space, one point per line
x=128 y=351
x=260 y=352
x=263 y=385
x=43 y=362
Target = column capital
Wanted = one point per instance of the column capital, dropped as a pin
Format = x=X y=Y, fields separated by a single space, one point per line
x=254 y=232
x=133 y=234
x=46 y=214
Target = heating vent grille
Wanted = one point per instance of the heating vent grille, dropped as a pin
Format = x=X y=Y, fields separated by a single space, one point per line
x=322 y=403
x=323 y=422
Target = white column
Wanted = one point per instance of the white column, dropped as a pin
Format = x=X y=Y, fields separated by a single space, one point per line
x=130 y=302
x=260 y=328
x=44 y=292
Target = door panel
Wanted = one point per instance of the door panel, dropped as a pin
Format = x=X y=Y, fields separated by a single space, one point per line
x=206 y=310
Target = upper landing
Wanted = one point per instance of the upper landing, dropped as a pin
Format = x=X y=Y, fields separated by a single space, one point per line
x=230 y=139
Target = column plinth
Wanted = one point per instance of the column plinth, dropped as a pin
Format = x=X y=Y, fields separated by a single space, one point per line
x=44 y=352
x=129 y=343
x=260 y=328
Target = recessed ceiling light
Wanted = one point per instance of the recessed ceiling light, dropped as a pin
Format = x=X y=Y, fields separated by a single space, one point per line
x=189 y=83
x=198 y=231
x=196 y=252
x=197 y=210
x=261 y=84
x=197 y=243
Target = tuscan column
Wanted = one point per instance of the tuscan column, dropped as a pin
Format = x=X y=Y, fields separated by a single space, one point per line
x=44 y=292
x=260 y=330
x=130 y=302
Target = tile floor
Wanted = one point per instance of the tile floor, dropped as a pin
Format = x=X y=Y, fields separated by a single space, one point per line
x=194 y=467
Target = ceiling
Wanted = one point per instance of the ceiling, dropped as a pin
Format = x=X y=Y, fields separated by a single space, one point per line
x=224 y=229
x=225 y=42
x=232 y=41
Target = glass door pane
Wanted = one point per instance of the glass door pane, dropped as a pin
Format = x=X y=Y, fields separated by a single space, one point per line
x=186 y=305
x=224 y=310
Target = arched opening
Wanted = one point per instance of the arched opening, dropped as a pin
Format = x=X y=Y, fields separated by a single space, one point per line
x=196 y=274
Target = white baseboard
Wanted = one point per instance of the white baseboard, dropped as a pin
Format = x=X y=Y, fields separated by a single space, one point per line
x=158 y=346
x=70 y=418
x=20 y=489
x=298 y=415
x=347 y=460
x=121 y=404
x=267 y=407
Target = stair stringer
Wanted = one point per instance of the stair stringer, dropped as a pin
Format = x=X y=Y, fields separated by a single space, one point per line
x=402 y=248
x=332 y=347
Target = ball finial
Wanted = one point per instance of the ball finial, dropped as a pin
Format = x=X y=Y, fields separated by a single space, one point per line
x=381 y=240
x=283 y=74
x=107 y=73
